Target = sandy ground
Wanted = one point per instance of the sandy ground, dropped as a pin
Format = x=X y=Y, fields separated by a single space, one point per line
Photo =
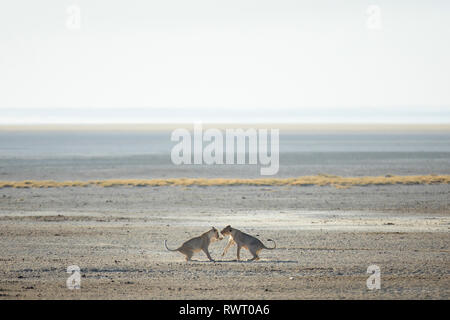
x=326 y=238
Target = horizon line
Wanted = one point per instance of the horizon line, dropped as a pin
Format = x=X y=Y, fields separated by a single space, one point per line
x=286 y=126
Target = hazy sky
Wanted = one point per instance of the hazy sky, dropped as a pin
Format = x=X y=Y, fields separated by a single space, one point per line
x=321 y=60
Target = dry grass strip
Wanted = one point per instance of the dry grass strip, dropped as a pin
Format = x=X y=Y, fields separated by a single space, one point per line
x=317 y=180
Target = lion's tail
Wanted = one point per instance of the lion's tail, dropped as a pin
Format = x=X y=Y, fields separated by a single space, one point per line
x=165 y=244
x=274 y=244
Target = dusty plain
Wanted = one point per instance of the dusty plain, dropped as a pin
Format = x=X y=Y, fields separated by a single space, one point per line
x=326 y=239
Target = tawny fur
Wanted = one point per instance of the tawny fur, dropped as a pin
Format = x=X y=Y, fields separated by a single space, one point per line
x=200 y=243
x=244 y=240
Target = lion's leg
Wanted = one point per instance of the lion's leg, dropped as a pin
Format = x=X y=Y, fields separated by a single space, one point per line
x=238 y=252
x=205 y=250
x=187 y=253
x=255 y=254
x=229 y=244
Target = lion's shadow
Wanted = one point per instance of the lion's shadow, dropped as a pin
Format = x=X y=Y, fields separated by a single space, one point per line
x=246 y=261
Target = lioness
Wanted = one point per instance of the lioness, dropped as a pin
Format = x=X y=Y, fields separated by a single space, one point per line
x=244 y=240
x=198 y=243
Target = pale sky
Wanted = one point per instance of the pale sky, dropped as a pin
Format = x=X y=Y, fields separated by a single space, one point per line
x=312 y=61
